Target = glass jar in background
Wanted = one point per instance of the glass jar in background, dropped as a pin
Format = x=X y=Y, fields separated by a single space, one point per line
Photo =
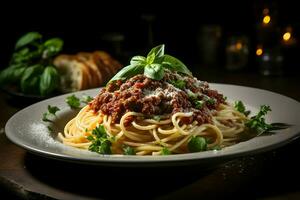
x=237 y=53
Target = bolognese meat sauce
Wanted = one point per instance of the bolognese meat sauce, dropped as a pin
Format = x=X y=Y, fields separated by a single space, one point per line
x=151 y=97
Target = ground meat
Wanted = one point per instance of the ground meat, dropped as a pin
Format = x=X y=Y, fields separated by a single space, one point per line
x=151 y=97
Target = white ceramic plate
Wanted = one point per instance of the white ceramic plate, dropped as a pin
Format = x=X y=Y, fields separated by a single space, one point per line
x=27 y=130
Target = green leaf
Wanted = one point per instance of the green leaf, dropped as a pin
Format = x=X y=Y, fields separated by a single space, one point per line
x=49 y=80
x=27 y=39
x=165 y=151
x=100 y=143
x=53 y=109
x=90 y=138
x=154 y=71
x=157 y=51
x=11 y=74
x=199 y=104
x=239 y=106
x=150 y=59
x=128 y=72
x=179 y=84
x=52 y=47
x=30 y=79
x=138 y=60
x=73 y=101
x=197 y=144
x=175 y=64
x=47 y=117
x=257 y=122
x=128 y=150
x=86 y=99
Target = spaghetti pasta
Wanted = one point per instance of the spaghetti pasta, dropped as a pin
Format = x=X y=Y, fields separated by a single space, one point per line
x=155 y=110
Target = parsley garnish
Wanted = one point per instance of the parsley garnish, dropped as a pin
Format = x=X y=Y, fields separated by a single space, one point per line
x=128 y=150
x=199 y=104
x=48 y=116
x=258 y=122
x=100 y=142
x=86 y=99
x=239 y=106
x=165 y=151
x=73 y=101
x=178 y=83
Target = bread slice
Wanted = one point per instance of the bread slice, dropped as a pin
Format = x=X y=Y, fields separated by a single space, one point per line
x=87 y=58
x=73 y=73
x=109 y=61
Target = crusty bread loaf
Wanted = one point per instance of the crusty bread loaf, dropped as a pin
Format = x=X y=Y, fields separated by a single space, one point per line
x=85 y=70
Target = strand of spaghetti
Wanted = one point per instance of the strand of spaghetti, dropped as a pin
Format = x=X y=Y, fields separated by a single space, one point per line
x=144 y=128
x=154 y=133
x=218 y=133
x=171 y=137
x=176 y=124
x=152 y=121
x=149 y=148
x=167 y=132
x=132 y=135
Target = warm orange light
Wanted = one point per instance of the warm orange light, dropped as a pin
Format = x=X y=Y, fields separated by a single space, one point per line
x=286 y=36
x=266 y=19
x=238 y=45
x=259 y=51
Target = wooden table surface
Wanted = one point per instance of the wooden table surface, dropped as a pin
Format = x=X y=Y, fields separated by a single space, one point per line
x=271 y=175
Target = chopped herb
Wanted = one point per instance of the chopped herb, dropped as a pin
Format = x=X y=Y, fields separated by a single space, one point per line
x=210 y=101
x=53 y=109
x=192 y=96
x=157 y=117
x=50 y=114
x=239 y=106
x=50 y=129
x=86 y=99
x=224 y=98
x=165 y=151
x=199 y=104
x=128 y=150
x=73 y=101
x=178 y=83
x=258 y=123
x=100 y=142
x=197 y=144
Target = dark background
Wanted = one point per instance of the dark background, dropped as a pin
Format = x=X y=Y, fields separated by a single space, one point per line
x=90 y=25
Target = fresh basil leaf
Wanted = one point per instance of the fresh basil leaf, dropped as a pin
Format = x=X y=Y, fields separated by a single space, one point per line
x=128 y=72
x=52 y=47
x=49 y=80
x=150 y=59
x=27 y=39
x=30 y=79
x=11 y=74
x=175 y=64
x=138 y=60
x=154 y=71
x=158 y=51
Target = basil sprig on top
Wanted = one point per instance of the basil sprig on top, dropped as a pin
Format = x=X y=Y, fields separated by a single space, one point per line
x=153 y=66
